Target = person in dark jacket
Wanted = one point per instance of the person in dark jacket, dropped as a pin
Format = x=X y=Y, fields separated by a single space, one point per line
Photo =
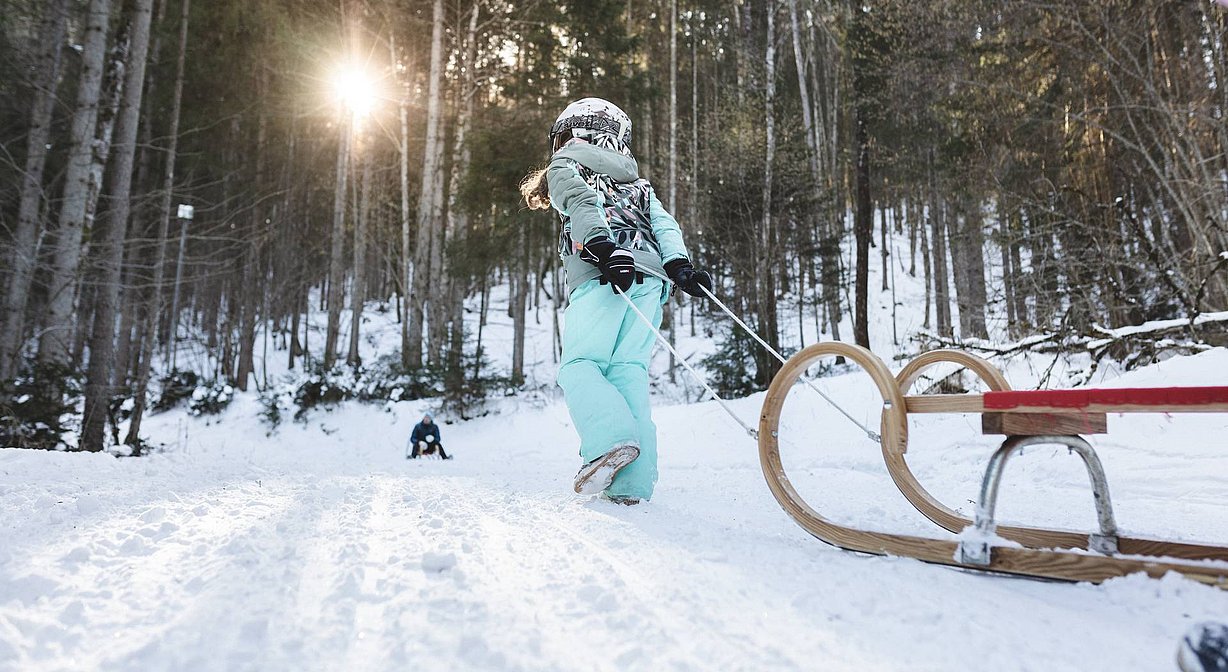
x=425 y=439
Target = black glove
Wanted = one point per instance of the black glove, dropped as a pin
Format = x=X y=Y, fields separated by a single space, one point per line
x=687 y=278
x=617 y=265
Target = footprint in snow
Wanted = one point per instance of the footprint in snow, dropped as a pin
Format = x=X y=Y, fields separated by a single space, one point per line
x=438 y=562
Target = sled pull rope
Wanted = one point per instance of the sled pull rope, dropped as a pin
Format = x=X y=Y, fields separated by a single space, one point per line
x=873 y=435
x=750 y=431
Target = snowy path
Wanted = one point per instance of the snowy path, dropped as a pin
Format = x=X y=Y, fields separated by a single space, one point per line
x=321 y=548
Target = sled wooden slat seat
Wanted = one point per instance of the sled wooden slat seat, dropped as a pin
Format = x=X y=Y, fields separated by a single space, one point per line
x=1039 y=424
x=1057 y=414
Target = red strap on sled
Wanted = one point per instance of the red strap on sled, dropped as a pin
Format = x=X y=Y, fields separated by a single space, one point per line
x=1126 y=396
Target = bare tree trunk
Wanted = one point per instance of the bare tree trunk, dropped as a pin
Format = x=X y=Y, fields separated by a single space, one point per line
x=767 y=291
x=254 y=274
x=804 y=93
x=825 y=107
x=437 y=298
x=135 y=281
x=358 y=293
x=1021 y=292
x=98 y=386
x=821 y=230
x=428 y=198
x=942 y=300
x=919 y=213
x=518 y=305
x=405 y=275
x=23 y=256
x=227 y=360
x=974 y=234
x=910 y=222
x=484 y=306
x=863 y=210
x=55 y=341
x=289 y=250
x=967 y=250
x=113 y=82
x=556 y=306
x=89 y=269
x=693 y=196
x=295 y=348
x=743 y=28
x=1009 y=271
x=306 y=311
x=336 y=268
x=457 y=217
x=862 y=216
x=668 y=317
x=882 y=239
x=959 y=266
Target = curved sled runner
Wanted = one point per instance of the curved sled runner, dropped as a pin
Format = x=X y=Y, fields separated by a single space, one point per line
x=1026 y=418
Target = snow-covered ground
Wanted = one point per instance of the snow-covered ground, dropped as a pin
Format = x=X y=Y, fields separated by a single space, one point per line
x=321 y=547
x=317 y=546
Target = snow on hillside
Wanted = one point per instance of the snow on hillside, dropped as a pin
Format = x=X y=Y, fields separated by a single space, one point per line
x=317 y=546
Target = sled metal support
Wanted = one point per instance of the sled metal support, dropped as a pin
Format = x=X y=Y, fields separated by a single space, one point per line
x=750 y=431
x=977 y=551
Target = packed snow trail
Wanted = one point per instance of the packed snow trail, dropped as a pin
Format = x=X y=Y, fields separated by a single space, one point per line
x=321 y=548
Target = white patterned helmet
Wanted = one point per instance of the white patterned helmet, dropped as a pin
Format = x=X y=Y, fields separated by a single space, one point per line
x=592 y=118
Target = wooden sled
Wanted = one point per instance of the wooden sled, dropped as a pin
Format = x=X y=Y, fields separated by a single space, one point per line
x=1058 y=417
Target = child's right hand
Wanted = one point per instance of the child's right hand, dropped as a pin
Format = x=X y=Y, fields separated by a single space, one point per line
x=617 y=265
x=688 y=279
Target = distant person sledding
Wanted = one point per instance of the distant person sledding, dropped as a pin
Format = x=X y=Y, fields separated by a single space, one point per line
x=424 y=440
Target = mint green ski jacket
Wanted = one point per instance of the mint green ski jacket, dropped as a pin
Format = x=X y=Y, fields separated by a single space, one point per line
x=599 y=194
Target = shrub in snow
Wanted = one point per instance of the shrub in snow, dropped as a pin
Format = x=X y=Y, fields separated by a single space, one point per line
x=274 y=400
x=176 y=387
x=325 y=388
x=462 y=388
x=120 y=409
x=382 y=382
x=38 y=409
x=739 y=367
x=211 y=398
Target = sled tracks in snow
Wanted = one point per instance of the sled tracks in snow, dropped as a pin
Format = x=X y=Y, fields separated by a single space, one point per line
x=1059 y=417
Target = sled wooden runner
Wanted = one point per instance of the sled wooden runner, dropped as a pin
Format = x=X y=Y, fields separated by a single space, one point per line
x=1027 y=418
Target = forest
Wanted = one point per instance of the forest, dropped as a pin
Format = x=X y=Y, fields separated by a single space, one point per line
x=1050 y=170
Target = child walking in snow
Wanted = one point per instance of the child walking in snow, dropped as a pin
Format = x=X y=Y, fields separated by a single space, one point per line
x=617 y=243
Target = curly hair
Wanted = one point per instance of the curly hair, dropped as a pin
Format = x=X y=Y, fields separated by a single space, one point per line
x=535 y=190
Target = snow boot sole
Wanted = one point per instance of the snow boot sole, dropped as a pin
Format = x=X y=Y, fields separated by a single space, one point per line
x=597 y=475
x=617 y=499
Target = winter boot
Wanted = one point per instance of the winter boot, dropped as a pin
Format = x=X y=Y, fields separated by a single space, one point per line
x=599 y=474
x=1204 y=648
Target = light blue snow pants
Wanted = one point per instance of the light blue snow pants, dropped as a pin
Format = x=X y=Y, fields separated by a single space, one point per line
x=604 y=376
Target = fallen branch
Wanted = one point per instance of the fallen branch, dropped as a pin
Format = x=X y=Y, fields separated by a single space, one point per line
x=1133 y=346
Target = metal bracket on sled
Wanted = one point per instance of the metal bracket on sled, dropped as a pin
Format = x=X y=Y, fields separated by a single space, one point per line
x=978 y=551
